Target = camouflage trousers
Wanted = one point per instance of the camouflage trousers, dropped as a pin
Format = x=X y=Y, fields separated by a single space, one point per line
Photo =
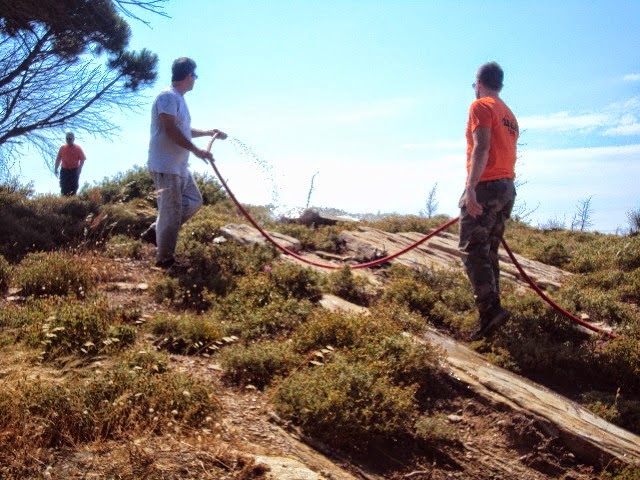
x=480 y=238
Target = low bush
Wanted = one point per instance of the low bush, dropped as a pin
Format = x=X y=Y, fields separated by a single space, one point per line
x=211 y=190
x=185 y=334
x=44 y=274
x=112 y=404
x=215 y=268
x=294 y=281
x=347 y=404
x=629 y=290
x=340 y=330
x=599 y=305
x=552 y=252
x=279 y=317
x=121 y=246
x=88 y=328
x=410 y=223
x=258 y=364
x=627 y=257
x=5 y=274
x=418 y=298
x=451 y=287
x=347 y=285
x=123 y=187
x=33 y=311
x=130 y=219
x=42 y=223
x=325 y=238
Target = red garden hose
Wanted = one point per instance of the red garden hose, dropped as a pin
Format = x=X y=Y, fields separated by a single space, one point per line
x=386 y=259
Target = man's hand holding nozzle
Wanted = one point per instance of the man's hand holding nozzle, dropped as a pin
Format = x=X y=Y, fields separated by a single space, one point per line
x=219 y=134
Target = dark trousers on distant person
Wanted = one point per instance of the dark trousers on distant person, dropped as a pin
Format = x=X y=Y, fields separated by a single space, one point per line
x=69 y=178
x=480 y=239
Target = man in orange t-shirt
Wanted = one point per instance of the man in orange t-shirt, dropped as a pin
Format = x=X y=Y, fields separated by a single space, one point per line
x=71 y=158
x=486 y=204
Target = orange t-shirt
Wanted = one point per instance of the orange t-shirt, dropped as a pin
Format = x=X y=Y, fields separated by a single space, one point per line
x=493 y=113
x=71 y=156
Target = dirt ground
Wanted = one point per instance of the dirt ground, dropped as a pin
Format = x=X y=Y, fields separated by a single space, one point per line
x=490 y=440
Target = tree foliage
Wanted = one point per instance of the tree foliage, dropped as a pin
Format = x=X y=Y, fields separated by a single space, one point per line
x=65 y=64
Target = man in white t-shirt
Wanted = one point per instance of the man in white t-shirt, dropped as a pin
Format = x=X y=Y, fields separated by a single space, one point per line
x=171 y=133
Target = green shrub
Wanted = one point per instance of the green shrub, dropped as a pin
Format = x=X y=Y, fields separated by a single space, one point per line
x=121 y=246
x=111 y=404
x=410 y=223
x=345 y=284
x=590 y=257
x=5 y=274
x=619 y=360
x=627 y=258
x=277 y=318
x=56 y=273
x=167 y=289
x=211 y=190
x=214 y=268
x=186 y=334
x=325 y=238
x=129 y=219
x=258 y=364
x=553 y=253
x=348 y=405
x=42 y=223
x=398 y=315
x=418 y=298
x=294 y=281
x=33 y=311
x=599 y=305
x=629 y=290
x=402 y=359
x=450 y=286
x=627 y=472
x=84 y=329
x=340 y=330
x=148 y=361
x=123 y=187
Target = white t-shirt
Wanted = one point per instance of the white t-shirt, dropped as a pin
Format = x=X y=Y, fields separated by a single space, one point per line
x=164 y=155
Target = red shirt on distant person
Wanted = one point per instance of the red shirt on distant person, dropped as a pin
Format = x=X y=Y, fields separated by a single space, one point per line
x=71 y=156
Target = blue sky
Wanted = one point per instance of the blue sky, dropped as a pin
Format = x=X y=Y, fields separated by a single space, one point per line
x=373 y=97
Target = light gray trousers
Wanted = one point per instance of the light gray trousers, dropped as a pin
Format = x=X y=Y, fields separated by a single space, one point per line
x=178 y=200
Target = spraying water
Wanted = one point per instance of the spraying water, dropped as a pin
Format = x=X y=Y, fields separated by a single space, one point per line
x=267 y=169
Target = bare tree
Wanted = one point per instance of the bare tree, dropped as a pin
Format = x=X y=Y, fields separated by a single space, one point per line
x=582 y=217
x=634 y=221
x=431 y=205
x=65 y=65
x=311 y=189
x=521 y=212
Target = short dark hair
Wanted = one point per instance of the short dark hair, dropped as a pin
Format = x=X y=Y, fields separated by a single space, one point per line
x=181 y=68
x=491 y=75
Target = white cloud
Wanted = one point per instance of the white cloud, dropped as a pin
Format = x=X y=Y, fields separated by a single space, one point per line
x=632 y=77
x=624 y=130
x=556 y=179
x=563 y=121
x=616 y=119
